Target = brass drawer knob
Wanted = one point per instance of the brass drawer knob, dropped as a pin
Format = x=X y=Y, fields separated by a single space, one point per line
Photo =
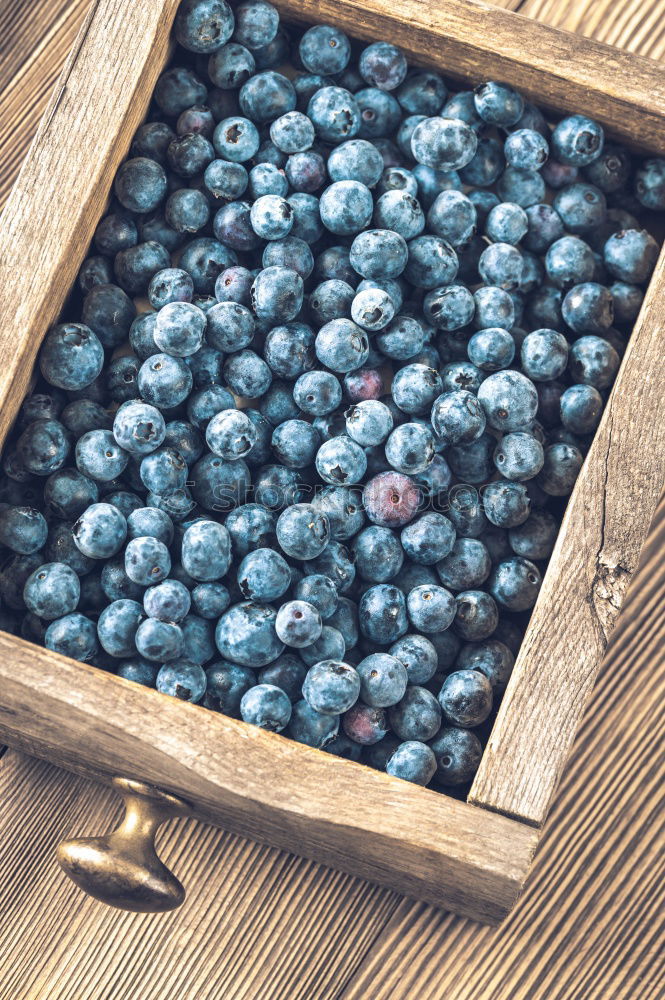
x=122 y=868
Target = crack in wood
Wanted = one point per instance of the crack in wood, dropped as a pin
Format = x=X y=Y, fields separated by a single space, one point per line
x=611 y=579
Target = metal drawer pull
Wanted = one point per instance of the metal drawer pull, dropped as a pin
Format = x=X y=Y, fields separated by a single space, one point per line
x=122 y=868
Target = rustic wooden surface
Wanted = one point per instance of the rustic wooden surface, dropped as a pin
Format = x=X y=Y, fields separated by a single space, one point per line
x=259 y=924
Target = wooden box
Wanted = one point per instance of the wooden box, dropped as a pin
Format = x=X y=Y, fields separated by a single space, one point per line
x=472 y=857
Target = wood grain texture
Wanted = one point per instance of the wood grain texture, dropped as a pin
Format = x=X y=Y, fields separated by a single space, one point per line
x=97 y=104
x=474 y=41
x=254 y=927
x=417 y=841
x=32 y=50
x=637 y=27
x=596 y=553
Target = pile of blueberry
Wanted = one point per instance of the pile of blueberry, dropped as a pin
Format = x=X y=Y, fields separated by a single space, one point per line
x=340 y=347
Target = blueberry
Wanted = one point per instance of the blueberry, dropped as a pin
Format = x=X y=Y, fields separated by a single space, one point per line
x=320 y=591
x=477 y=615
x=341 y=345
x=355 y=160
x=164 y=381
x=163 y=471
x=378 y=554
x=581 y=409
x=266 y=706
x=443 y=143
x=383 y=617
x=450 y=307
x=186 y=211
x=369 y=422
x=312 y=728
x=331 y=687
x=535 y=538
x=139 y=428
x=202 y=26
x=295 y=443
x=522 y=187
x=493 y=308
x=140 y=185
x=650 y=184
x=277 y=295
x=383 y=680
x=226 y=683
x=231 y=434
x=298 y=624
x=99 y=456
x=364 y=724
x=169 y=601
x=417 y=716
x=317 y=392
x=52 y=591
x=457 y=753
x=379 y=254
x=206 y=551
x=526 y=149
x=147 y=560
x=630 y=255
x=418 y=655
x=210 y=600
x=100 y=531
x=457 y=417
x=491 y=658
x=410 y=448
x=263 y=575
x=290 y=252
x=302 y=531
x=159 y=641
x=61 y=547
x=23 y=529
x=509 y=400
x=139 y=671
x=256 y=23
x=67 y=493
x=391 y=499
x=43 y=447
x=71 y=356
x=177 y=89
x=412 y=761
x=582 y=207
x=403 y=338
x=491 y=349
x=329 y=646
x=117 y=230
x=593 y=361
x=117 y=627
x=182 y=679
x=498 y=104
x=577 y=141
x=466 y=698
x=519 y=456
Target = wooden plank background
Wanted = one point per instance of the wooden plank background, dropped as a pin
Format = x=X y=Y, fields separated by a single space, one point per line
x=259 y=924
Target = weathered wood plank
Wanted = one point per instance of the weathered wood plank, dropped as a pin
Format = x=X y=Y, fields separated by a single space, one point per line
x=256 y=783
x=606 y=522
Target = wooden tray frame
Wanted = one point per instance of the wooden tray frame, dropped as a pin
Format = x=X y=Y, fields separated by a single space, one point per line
x=471 y=857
